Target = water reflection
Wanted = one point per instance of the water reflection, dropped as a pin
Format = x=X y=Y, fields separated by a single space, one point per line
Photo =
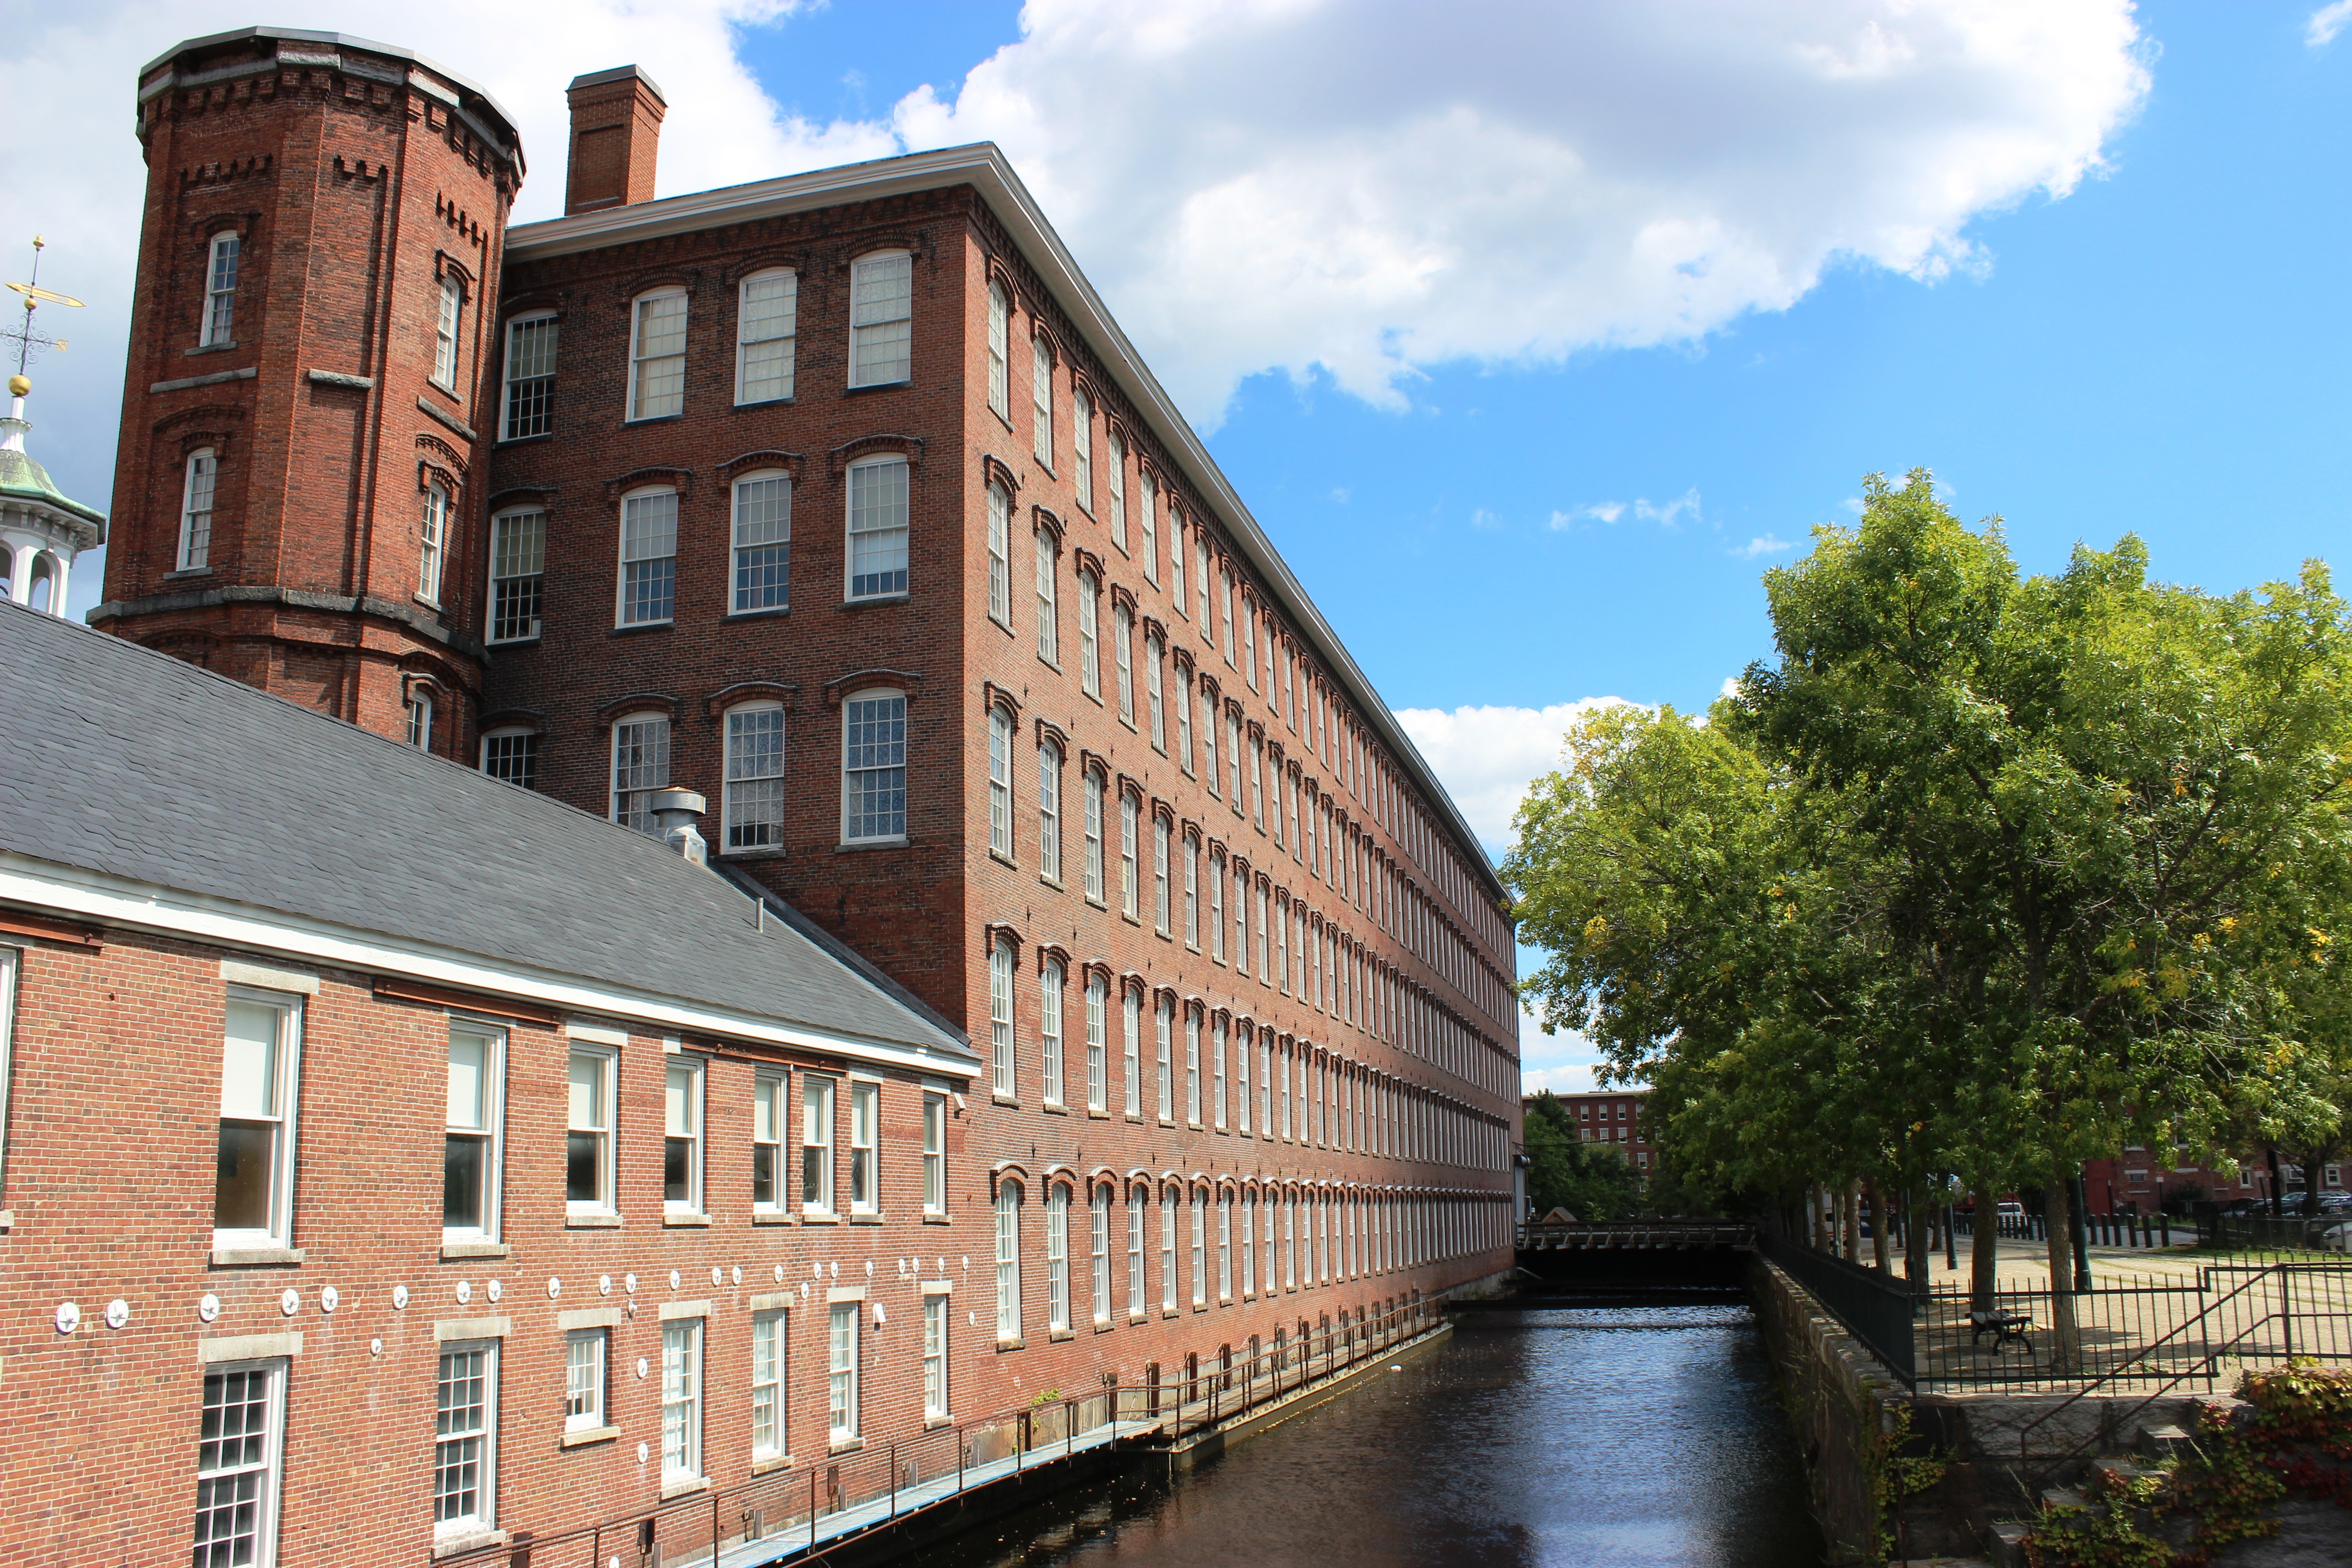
x=1614 y=1435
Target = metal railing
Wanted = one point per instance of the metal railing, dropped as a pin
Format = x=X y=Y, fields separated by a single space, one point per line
x=798 y=1512
x=1649 y=1233
x=1875 y=1308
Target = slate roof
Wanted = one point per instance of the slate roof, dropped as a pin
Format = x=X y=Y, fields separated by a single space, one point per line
x=119 y=759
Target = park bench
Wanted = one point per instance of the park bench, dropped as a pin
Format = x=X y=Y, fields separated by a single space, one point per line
x=2003 y=1326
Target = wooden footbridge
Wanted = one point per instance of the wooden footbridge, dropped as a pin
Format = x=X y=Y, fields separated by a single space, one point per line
x=1639 y=1234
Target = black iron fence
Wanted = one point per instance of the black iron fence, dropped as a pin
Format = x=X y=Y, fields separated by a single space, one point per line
x=1874 y=1307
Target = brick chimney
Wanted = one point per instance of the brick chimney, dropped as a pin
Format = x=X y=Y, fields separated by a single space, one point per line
x=617 y=118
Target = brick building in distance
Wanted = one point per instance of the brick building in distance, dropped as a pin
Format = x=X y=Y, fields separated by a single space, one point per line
x=840 y=499
x=1614 y=1117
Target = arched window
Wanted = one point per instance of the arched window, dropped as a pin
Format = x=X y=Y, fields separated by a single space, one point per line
x=1164 y=1031
x=1082 y=449
x=1170 y=1198
x=1249 y=1259
x=1098 y=1069
x=1000 y=556
x=877 y=528
x=1041 y=399
x=764 y=542
x=640 y=766
x=1122 y=626
x=220 y=291
x=527 y=402
x=648 y=580
x=1131 y=1018
x=1192 y=1065
x=1098 y=1235
x=511 y=755
x=1224 y=1246
x=1154 y=655
x=196 y=508
x=1000 y=781
x=1057 y=1258
x=1117 y=490
x=420 y=717
x=1089 y=634
x=1000 y=316
x=657 y=354
x=1094 y=835
x=518 y=573
x=766 y=305
x=1008 y=1260
x=1200 y=1248
x=448 y=323
x=1138 y=1200
x=1146 y=512
x=1192 y=855
x=1049 y=619
x=432 y=542
x=874 y=766
x=881 y=318
x=1050 y=985
x=753 y=805
x=1049 y=810
x=999 y=1016
x=1128 y=824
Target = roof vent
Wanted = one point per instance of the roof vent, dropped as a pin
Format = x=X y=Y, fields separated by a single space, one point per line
x=673 y=813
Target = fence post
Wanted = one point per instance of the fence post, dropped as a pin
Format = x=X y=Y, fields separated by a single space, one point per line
x=2286 y=1305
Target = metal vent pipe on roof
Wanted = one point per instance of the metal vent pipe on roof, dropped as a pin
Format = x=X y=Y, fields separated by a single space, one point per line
x=675 y=811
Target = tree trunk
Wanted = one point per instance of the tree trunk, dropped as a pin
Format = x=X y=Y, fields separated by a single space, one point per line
x=1984 y=1251
x=2066 y=1347
x=1817 y=1223
x=1878 y=1228
x=1918 y=1241
x=1852 y=1199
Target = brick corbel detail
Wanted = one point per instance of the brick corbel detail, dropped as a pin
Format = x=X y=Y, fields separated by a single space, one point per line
x=1046 y=950
x=908 y=446
x=1085 y=560
x=1093 y=763
x=516 y=492
x=995 y=471
x=1039 y=517
x=678 y=480
x=791 y=462
x=716 y=703
x=1122 y=597
x=994 y=930
x=994 y=696
x=1049 y=731
x=1153 y=628
x=638 y=702
x=1129 y=785
x=904 y=682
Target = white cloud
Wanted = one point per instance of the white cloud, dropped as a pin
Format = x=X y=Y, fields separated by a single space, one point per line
x=1486 y=756
x=1765 y=544
x=1666 y=514
x=2325 y=22
x=1592 y=511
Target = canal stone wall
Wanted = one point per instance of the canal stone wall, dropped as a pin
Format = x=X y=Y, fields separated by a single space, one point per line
x=1842 y=1403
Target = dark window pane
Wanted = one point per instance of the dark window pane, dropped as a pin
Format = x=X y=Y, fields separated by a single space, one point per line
x=581 y=1182
x=763 y=1173
x=676 y=1157
x=463 y=1168
x=241 y=1183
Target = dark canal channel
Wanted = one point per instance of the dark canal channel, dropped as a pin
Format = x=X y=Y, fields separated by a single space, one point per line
x=1618 y=1434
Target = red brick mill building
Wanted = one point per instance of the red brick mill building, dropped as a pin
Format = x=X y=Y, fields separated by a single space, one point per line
x=839 y=500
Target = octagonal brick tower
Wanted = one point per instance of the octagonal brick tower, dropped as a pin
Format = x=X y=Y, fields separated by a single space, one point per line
x=304 y=416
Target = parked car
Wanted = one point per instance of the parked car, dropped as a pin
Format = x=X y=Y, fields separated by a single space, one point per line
x=2011 y=1210
x=2329 y=1202
x=2336 y=1238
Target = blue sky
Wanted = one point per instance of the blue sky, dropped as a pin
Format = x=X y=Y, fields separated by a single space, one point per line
x=1518 y=479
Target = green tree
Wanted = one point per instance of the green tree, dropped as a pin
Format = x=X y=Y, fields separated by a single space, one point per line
x=1564 y=1172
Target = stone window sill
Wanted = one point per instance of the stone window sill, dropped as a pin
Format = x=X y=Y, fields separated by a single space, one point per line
x=472 y=1541
x=867 y=1219
x=864 y=600
x=772 y=613
x=937 y=1219
x=188 y=572
x=588 y=1434
x=255 y=1256
x=880 y=386
x=770 y=1217
x=852 y=847
x=844 y=1446
x=821 y=1217
x=1012 y=1344
x=686 y=1221
x=1004 y=859
x=683 y=1486
x=592 y=1221
x=1051 y=1108
x=452 y=1251
x=1058 y=1336
x=774 y=1462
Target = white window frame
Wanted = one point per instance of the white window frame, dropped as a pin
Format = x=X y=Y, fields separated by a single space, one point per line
x=849 y=775
x=1090 y=635
x=641 y=817
x=865 y=1140
x=218 y=323
x=539 y=413
x=484 y=1517
x=285 y=1146
x=819 y=1111
x=270 y=1467
x=1098 y=1247
x=1155 y=690
x=1001 y=971
x=490 y=1132
x=745 y=342
x=1093 y=787
x=682 y=1380
x=1169 y=1200
x=1200 y=1207
x=774 y=550
x=1122 y=638
x=1057 y=1258
x=1097 y=1056
x=771 y=1340
x=1041 y=401
x=1000 y=556
x=505 y=557
x=1116 y=449
x=1049 y=810
x=1082 y=449
x=936 y=1391
x=1131 y=1023
x=1147 y=506
x=199 y=493
x=1138 y=1200
x=1130 y=871
x=448 y=332
x=1161 y=912
x=935 y=1152
x=1000 y=780
x=1049 y=613
x=432 y=541
x=1191 y=1066
x=604 y=1064
x=845 y=1352
x=693 y=1070
x=1008 y=1260
x=1052 y=983
x=861 y=474
x=641 y=362
x=1163 y=1041
x=419 y=715
x=590 y=1350
x=739 y=789
x=772 y=1116
x=869 y=323
x=639 y=510
x=999 y=344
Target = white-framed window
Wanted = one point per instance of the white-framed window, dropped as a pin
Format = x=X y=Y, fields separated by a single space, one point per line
x=528 y=393
x=1191 y=1066
x=771 y=1363
x=766 y=306
x=1249 y=643
x=1082 y=449
x=1163 y=1025
x=1116 y=490
x=841 y=1392
x=1224 y=1246
x=865 y=1146
x=1241 y=920
x=1122 y=637
x=1000 y=1014
x=640 y=766
x=240 y=1464
x=1138 y=1200
x=586 y=1354
x=1041 y=402
x=1008 y=1260
x=763 y=543
x=658 y=355
x=1146 y=512
x=518 y=573
x=1089 y=634
x=1098 y=1066
x=1128 y=826
x=1269 y=1243
x=1216 y=906
x=1200 y=1248
x=874 y=766
x=220 y=291
x=935 y=1358
x=472 y=1162
x=196 y=509
x=1234 y=760
x=1220 y=1037
x=432 y=541
x=1130 y=1057
x=420 y=718
x=1000 y=556
x=816 y=1144
x=1098 y=1238
x=754 y=804
x=465 y=1446
x=448 y=323
x=881 y=318
x=1000 y=781
x=648 y=585
x=588 y=1132
x=1154 y=653
x=681 y=1394
x=260 y=1083
x=1159 y=875
x=1184 y=722
x=877 y=528
x=1093 y=784
x=1225 y=604
x=1057 y=1258
x=1176 y=595
x=1249 y=1247
x=1050 y=986
x=935 y=1153
x=1201 y=582
x=682 y=1140
x=1049 y=811
x=1169 y=1201
x=1192 y=892
x=1000 y=319
x=771 y=1114
x=1049 y=618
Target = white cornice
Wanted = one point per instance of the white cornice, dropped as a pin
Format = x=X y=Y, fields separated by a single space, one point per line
x=110 y=901
x=982 y=165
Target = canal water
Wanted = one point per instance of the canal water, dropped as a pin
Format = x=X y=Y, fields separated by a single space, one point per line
x=1625 y=1435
